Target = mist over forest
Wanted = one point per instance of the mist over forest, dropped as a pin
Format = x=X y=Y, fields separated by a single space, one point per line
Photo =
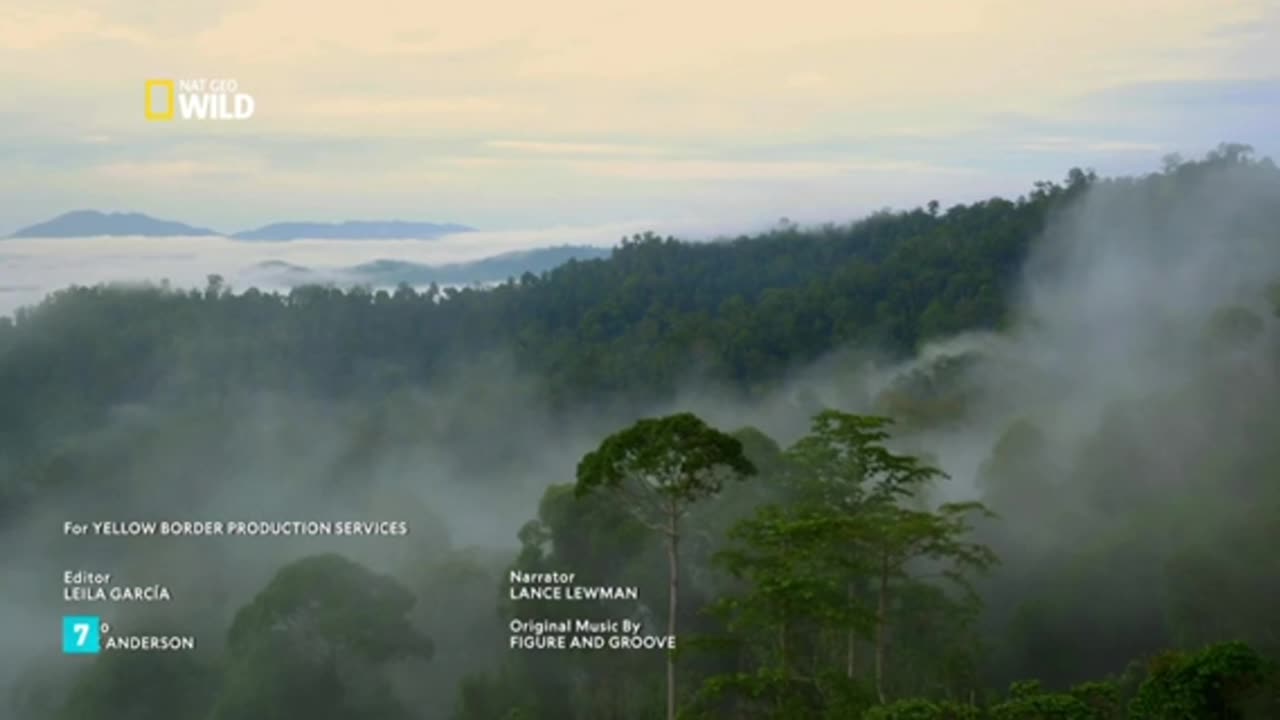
x=1096 y=362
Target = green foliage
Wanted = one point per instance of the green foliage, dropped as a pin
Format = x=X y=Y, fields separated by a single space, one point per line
x=678 y=459
x=500 y=697
x=763 y=693
x=1234 y=326
x=762 y=452
x=272 y=679
x=589 y=533
x=1229 y=681
x=141 y=686
x=635 y=326
x=1028 y=700
x=331 y=600
x=314 y=642
x=821 y=573
x=930 y=396
x=659 y=467
x=1043 y=706
x=786 y=558
x=1105 y=698
x=917 y=709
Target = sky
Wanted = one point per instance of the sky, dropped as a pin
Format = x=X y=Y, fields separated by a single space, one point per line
x=508 y=116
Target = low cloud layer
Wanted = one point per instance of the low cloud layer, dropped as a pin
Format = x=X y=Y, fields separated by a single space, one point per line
x=35 y=267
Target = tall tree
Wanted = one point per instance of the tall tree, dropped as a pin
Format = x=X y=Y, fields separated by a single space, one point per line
x=847 y=467
x=844 y=467
x=831 y=566
x=659 y=467
x=900 y=537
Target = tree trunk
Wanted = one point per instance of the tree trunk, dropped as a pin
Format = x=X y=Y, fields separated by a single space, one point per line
x=882 y=622
x=673 y=539
x=782 y=649
x=850 y=640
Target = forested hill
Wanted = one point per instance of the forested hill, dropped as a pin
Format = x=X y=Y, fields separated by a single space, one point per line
x=657 y=313
x=1117 y=435
x=741 y=310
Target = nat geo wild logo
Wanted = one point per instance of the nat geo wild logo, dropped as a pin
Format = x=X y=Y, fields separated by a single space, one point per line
x=198 y=99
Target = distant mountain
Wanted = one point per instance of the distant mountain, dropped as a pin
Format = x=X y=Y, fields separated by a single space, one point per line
x=387 y=273
x=91 y=223
x=487 y=270
x=351 y=230
x=288 y=272
x=282 y=265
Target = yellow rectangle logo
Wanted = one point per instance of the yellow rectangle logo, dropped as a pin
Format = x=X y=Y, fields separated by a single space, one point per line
x=151 y=87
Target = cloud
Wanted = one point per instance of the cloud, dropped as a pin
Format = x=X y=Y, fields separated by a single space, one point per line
x=751 y=170
x=1238 y=92
x=1075 y=145
x=46 y=29
x=45 y=265
x=174 y=170
x=371 y=107
x=366 y=108
x=811 y=81
x=572 y=66
x=573 y=148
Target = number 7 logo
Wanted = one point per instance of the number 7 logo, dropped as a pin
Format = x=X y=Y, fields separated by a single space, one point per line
x=81 y=635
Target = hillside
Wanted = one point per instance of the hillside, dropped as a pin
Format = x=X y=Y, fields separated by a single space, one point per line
x=743 y=310
x=1026 y=439
x=390 y=273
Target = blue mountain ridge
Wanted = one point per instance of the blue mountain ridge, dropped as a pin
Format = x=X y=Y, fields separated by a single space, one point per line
x=94 y=223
